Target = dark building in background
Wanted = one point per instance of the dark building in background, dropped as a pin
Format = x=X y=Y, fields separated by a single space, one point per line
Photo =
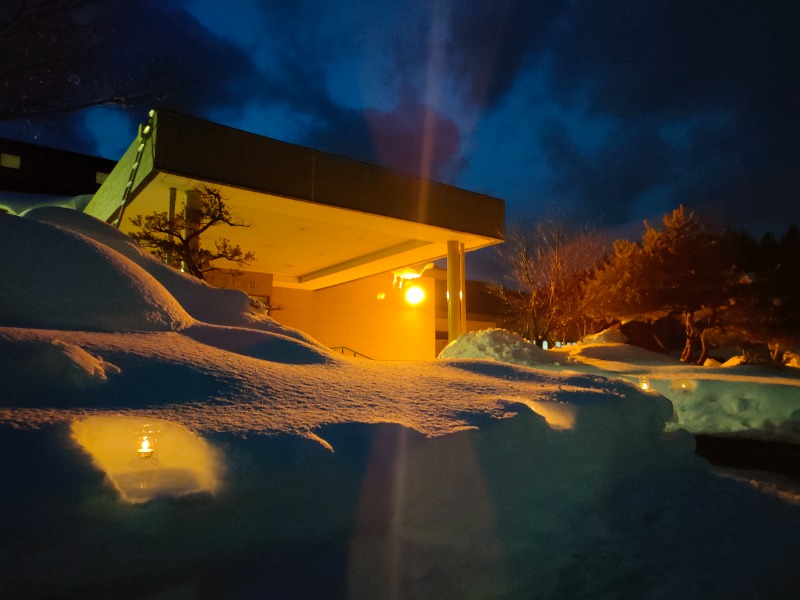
x=32 y=169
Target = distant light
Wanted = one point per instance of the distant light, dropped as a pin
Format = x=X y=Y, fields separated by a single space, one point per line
x=415 y=295
x=644 y=382
x=381 y=296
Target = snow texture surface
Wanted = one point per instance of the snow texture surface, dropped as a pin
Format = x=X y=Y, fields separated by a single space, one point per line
x=498 y=471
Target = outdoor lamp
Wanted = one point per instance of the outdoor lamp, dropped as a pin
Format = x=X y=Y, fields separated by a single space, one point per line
x=415 y=295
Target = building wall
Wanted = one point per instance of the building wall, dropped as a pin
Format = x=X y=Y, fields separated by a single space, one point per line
x=353 y=316
x=33 y=169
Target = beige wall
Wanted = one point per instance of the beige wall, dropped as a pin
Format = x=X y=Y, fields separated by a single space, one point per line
x=351 y=315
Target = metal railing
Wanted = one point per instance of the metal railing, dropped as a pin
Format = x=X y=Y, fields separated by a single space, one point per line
x=349 y=352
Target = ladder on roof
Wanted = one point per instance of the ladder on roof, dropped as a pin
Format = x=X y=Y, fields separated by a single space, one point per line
x=144 y=133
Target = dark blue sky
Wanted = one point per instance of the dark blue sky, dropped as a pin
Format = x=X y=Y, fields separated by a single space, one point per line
x=602 y=112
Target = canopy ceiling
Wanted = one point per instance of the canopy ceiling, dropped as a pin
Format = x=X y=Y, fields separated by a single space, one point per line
x=315 y=219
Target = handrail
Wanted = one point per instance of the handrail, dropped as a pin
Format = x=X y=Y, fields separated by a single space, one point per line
x=343 y=349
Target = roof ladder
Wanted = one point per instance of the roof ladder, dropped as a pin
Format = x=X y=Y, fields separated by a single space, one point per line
x=144 y=133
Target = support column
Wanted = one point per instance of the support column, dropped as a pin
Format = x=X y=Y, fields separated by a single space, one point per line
x=454 y=289
x=463 y=295
x=172 y=197
x=192 y=207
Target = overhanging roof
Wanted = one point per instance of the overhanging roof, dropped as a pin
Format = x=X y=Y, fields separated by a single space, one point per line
x=316 y=219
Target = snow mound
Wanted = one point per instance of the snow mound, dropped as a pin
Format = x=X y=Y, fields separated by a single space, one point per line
x=40 y=269
x=495 y=344
x=259 y=344
x=616 y=357
x=31 y=363
x=607 y=336
x=200 y=300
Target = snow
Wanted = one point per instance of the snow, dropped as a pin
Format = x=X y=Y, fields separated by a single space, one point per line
x=714 y=399
x=280 y=469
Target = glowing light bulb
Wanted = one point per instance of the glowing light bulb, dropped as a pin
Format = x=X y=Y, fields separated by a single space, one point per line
x=415 y=295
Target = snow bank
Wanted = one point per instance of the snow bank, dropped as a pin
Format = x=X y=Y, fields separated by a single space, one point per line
x=760 y=406
x=496 y=344
x=741 y=399
x=52 y=364
x=201 y=301
x=450 y=478
x=607 y=336
x=57 y=279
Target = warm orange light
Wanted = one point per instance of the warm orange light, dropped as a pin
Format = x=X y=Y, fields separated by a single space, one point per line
x=415 y=295
x=644 y=382
x=381 y=296
x=178 y=461
x=145 y=448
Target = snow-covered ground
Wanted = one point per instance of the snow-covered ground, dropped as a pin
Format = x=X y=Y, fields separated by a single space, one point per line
x=745 y=400
x=275 y=468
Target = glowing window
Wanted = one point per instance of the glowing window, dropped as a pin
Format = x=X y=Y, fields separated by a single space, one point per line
x=11 y=161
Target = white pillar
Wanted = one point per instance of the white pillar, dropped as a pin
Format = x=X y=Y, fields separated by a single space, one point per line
x=454 y=289
x=172 y=199
x=463 y=295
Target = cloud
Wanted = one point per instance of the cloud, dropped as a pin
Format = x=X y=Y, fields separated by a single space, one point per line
x=414 y=138
x=703 y=97
x=144 y=53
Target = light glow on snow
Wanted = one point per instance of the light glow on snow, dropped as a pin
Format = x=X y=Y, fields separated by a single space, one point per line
x=143 y=461
x=559 y=415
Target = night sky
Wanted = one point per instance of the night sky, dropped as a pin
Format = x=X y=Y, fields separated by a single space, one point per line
x=603 y=112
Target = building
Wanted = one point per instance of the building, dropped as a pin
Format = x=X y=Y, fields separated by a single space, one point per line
x=338 y=243
x=32 y=169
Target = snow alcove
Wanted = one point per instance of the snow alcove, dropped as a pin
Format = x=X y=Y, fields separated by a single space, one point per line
x=148 y=459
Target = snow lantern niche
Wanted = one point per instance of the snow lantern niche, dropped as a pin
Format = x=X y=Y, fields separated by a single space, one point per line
x=145 y=459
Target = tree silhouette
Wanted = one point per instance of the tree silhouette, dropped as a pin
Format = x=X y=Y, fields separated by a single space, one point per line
x=177 y=240
x=543 y=271
x=681 y=268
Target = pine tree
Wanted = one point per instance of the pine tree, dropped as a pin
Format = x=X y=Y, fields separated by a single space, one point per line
x=176 y=241
x=679 y=269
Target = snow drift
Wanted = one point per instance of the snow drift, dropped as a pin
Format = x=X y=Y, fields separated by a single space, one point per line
x=46 y=270
x=314 y=475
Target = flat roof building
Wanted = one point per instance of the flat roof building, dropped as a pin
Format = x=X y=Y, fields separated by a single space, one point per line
x=318 y=222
